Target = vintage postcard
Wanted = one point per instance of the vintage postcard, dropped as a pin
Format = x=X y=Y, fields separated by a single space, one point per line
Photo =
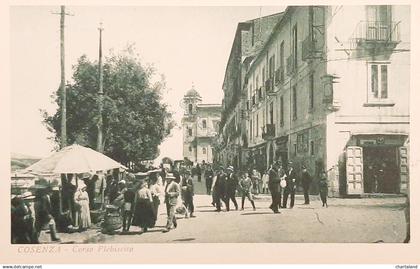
x=209 y=132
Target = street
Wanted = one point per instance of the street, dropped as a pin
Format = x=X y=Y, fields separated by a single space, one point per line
x=345 y=220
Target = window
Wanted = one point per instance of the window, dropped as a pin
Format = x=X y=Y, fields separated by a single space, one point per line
x=378 y=22
x=190 y=148
x=190 y=108
x=295 y=148
x=189 y=132
x=294 y=103
x=271 y=113
x=294 y=46
x=282 y=61
x=271 y=67
x=311 y=92
x=204 y=151
x=204 y=124
x=281 y=111
x=263 y=74
x=378 y=81
x=257 y=125
x=250 y=129
x=312 y=148
x=311 y=23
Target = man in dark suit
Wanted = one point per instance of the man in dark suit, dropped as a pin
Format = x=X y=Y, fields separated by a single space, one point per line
x=231 y=186
x=291 y=179
x=274 y=187
x=219 y=189
x=306 y=183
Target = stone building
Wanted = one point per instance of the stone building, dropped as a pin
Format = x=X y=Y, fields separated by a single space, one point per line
x=249 y=39
x=200 y=125
x=329 y=89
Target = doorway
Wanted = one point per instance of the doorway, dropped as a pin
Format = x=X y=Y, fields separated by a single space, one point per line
x=381 y=171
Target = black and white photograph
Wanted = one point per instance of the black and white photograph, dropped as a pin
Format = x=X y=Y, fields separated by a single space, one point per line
x=209 y=124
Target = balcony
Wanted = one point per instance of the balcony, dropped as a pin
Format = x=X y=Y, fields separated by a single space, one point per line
x=376 y=34
x=311 y=48
x=269 y=132
x=269 y=87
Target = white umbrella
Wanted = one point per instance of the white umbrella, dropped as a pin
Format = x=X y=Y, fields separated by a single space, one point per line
x=74 y=159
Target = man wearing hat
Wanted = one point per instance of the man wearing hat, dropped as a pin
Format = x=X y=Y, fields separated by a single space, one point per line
x=291 y=179
x=231 y=186
x=23 y=219
x=306 y=183
x=274 y=187
x=172 y=192
x=43 y=212
x=219 y=189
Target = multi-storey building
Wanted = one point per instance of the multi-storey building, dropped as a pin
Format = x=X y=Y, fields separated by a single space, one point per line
x=249 y=39
x=200 y=125
x=330 y=90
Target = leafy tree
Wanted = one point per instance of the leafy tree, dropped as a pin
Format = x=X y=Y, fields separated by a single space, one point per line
x=135 y=119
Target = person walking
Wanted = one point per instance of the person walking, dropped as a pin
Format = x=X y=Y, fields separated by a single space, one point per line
x=43 y=213
x=274 y=187
x=187 y=190
x=143 y=212
x=81 y=199
x=172 y=192
x=219 y=189
x=245 y=185
x=290 y=186
x=306 y=183
x=323 y=188
x=231 y=186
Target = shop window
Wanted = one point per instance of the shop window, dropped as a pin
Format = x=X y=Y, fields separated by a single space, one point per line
x=378 y=81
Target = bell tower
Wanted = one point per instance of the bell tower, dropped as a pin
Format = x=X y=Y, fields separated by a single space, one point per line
x=189 y=124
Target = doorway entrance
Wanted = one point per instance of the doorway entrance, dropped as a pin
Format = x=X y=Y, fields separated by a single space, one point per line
x=381 y=170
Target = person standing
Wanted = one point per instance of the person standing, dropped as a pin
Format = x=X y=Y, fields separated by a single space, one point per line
x=156 y=191
x=231 y=186
x=290 y=186
x=143 y=212
x=187 y=189
x=127 y=211
x=81 y=198
x=274 y=187
x=323 y=188
x=209 y=174
x=198 y=172
x=23 y=231
x=256 y=181
x=172 y=192
x=265 y=182
x=245 y=185
x=306 y=183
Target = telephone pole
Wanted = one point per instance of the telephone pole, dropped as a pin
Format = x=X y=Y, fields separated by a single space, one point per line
x=63 y=80
x=100 y=146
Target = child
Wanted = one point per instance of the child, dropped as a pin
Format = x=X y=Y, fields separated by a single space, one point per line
x=246 y=187
x=323 y=188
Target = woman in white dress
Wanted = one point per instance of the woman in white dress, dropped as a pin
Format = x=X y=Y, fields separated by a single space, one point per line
x=81 y=198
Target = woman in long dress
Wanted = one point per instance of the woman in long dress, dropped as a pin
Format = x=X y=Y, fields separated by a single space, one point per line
x=143 y=212
x=81 y=198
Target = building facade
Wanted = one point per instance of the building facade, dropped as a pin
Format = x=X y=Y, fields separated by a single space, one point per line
x=330 y=90
x=200 y=125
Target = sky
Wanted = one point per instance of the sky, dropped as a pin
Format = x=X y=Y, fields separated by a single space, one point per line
x=188 y=45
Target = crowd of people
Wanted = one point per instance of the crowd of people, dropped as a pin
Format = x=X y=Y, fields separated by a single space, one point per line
x=135 y=200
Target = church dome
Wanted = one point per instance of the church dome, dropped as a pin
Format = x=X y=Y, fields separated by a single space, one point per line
x=193 y=93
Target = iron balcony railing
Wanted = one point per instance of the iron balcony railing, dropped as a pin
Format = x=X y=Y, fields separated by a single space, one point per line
x=381 y=31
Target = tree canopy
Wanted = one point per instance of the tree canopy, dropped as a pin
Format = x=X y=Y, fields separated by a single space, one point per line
x=135 y=118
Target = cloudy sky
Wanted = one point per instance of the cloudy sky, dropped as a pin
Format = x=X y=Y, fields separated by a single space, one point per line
x=186 y=44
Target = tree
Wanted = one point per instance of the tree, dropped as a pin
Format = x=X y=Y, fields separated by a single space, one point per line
x=135 y=119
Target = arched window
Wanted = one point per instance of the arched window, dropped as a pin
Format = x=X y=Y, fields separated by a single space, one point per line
x=204 y=124
x=190 y=108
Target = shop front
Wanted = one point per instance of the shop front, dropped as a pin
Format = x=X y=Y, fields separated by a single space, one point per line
x=377 y=164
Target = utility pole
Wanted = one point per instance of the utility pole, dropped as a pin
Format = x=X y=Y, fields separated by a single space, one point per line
x=63 y=80
x=100 y=147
